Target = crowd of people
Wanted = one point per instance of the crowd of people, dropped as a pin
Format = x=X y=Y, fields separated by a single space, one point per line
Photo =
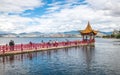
x=49 y=43
x=43 y=44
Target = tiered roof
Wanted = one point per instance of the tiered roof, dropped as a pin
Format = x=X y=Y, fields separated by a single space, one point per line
x=88 y=30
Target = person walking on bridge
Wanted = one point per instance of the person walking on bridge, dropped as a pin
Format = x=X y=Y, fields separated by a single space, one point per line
x=11 y=44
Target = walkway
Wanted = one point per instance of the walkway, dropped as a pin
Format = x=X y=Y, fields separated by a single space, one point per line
x=32 y=47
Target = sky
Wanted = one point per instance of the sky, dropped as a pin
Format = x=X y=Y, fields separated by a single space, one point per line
x=48 y=16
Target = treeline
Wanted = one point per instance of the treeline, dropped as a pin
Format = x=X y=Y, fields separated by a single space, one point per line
x=112 y=36
x=115 y=36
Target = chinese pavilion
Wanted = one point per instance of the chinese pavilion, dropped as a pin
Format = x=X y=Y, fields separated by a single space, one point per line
x=88 y=33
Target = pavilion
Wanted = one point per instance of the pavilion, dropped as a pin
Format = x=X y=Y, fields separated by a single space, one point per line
x=88 y=33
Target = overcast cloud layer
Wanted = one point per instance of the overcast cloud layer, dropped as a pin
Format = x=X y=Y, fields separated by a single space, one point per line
x=19 y=16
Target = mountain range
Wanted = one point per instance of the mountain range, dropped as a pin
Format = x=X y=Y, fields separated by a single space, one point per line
x=37 y=33
x=107 y=33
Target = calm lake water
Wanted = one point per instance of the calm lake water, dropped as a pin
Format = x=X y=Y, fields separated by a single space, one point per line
x=35 y=40
x=103 y=59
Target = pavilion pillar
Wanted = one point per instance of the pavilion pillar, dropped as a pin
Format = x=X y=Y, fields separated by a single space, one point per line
x=90 y=37
x=86 y=38
x=83 y=37
x=93 y=37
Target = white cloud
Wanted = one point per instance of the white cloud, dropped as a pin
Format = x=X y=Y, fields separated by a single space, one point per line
x=112 y=6
x=12 y=23
x=18 y=6
x=66 y=19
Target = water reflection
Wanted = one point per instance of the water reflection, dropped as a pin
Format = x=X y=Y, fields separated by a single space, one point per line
x=11 y=59
x=88 y=52
x=30 y=56
x=21 y=57
x=83 y=60
x=66 y=51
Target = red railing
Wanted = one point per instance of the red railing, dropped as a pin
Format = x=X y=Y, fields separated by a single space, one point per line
x=38 y=46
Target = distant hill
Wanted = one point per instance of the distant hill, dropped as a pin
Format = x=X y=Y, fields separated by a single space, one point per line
x=107 y=33
x=39 y=34
x=5 y=33
x=77 y=32
x=22 y=33
x=71 y=32
x=36 y=33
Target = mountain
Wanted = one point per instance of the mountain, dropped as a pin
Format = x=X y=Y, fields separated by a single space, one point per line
x=6 y=33
x=22 y=33
x=107 y=33
x=35 y=33
x=39 y=34
x=71 y=32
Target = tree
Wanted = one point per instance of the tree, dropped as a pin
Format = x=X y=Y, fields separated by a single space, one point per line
x=112 y=35
x=118 y=36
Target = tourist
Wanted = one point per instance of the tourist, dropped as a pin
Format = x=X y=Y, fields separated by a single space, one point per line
x=11 y=44
x=31 y=44
x=49 y=43
x=86 y=38
x=42 y=41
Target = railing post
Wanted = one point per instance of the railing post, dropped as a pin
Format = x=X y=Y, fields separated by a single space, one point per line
x=35 y=46
x=6 y=47
x=0 y=48
x=3 y=47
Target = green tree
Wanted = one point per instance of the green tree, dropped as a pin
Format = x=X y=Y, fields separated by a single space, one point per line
x=118 y=36
x=112 y=35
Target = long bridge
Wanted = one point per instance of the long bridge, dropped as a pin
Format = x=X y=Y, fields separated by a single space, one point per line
x=32 y=47
x=88 y=35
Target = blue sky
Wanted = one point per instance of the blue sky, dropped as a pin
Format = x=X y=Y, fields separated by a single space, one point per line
x=48 y=16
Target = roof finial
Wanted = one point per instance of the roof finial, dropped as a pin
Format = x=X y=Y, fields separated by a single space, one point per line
x=88 y=23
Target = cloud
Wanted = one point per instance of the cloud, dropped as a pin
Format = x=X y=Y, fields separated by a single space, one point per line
x=61 y=16
x=100 y=18
x=18 y=6
x=12 y=23
x=111 y=6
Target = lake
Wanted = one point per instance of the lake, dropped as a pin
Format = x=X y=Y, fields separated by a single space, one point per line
x=35 y=40
x=102 y=59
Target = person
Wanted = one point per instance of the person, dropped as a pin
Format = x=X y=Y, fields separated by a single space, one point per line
x=86 y=38
x=31 y=44
x=42 y=41
x=11 y=44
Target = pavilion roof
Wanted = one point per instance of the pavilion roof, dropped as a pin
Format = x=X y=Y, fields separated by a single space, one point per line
x=88 y=30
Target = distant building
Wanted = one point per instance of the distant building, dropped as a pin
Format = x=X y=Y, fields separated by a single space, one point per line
x=99 y=34
x=8 y=35
x=116 y=32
